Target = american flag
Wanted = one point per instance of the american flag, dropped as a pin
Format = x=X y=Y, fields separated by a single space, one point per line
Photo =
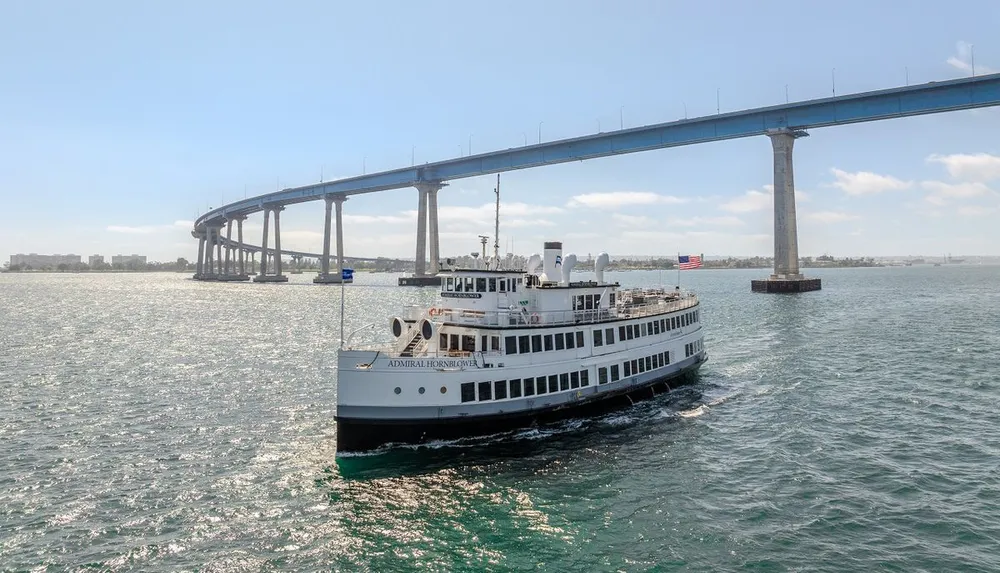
x=685 y=262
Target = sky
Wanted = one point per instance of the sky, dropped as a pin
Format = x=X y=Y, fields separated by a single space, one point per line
x=121 y=122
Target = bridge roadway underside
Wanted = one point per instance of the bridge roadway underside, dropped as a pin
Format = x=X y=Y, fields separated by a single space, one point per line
x=782 y=123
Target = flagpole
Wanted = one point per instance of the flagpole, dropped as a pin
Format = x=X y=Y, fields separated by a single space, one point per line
x=678 y=269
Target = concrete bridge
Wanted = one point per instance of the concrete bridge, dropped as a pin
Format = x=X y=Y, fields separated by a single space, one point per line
x=782 y=124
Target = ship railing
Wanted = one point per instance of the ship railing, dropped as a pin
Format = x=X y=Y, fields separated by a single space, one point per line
x=524 y=317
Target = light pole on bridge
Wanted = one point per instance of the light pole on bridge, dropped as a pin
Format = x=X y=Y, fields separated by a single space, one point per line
x=540 y=131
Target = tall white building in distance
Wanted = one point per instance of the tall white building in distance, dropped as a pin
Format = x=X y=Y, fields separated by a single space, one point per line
x=94 y=260
x=128 y=261
x=36 y=261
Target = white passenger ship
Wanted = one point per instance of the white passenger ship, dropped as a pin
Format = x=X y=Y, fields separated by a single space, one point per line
x=509 y=349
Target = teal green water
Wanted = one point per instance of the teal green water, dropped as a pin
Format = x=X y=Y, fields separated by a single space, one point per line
x=149 y=422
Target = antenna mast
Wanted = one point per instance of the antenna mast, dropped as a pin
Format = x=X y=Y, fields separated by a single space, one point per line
x=496 y=231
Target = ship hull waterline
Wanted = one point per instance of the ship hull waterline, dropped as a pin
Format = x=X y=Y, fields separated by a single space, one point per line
x=357 y=435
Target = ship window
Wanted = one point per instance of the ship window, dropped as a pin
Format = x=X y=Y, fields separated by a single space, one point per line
x=553 y=383
x=453 y=343
x=469 y=284
x=469 y=392
x=522 y=344
x=673 y=323
x=630 y=331
x=635 y=367
x=484 y=346
x=584 y=378
x=611 y=299
x=449 y=284
x=569 y=340
x=560 y=345
x=458 y=284
x=485 y=391
x=590 y=302
x=536 y=342
x=500 y=389
x=495 y=343
x=529 y=386
x=574 y=379
x=513 y=286
x=503 y=285
x=609 y=335
x=642 y=329
x=602 y=375
x=649 y=363
x=687 y=352
x=628 y=369
x=579 y=339
x=598 y=337
x=468 y=343
x=548 y=342
x=656 y=327
x=481 y=284
x=564 y=381
x=493 y=285
x=666 y=357
x=621 y=333
x=540 y=385
x=659 y=360
x=642 y=365
x=443 y=341
x=510 y=343
x=576 y=303
x=664 y=325
x=614 y=373
x=515 y=388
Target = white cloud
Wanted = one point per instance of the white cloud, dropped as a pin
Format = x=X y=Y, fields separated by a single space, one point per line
x=976 y=211
x=754 y=200
x=149 y=229
x=866 y=182
x=383 y=219
x=970 y=167
x=940 y=191
x=963 y=60
x=632 y=220
x=725 y=221
x=518 y=223
x=617 y=199
x=831 y=216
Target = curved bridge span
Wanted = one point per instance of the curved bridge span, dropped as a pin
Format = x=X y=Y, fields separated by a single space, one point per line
x=781 y=123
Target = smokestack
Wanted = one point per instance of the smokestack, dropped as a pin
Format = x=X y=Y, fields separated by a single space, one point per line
x=552 y=261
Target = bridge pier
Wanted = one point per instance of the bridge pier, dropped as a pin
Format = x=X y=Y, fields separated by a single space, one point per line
x=426 y=206
x=277 y=277
x=325 y=277
x=200 y=268
x=240 y=249
x=786 y=277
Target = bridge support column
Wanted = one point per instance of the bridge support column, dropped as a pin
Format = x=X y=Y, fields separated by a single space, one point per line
x=275 y=254
x=201 y=257
x=325 y=276
x=242 y=253
x=426 y=209
x=786 y=277
x=218 y=250
x=208 y=272
x=229 y=248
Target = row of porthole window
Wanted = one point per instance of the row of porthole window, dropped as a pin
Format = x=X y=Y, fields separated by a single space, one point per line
x=648 y=328
x=692 y=348
x=516 y=388
x=633 y=367
x=526 y=343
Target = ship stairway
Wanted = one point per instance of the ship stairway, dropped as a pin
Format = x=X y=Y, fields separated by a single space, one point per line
x=408 y=351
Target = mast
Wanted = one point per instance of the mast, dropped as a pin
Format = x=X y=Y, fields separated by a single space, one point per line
x=496 y=231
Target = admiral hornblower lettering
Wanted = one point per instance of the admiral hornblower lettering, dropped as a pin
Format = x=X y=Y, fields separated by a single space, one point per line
x=430 y=363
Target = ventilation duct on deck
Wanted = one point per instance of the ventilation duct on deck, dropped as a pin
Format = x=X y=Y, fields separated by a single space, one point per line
x=567 y=267
x=599 y=265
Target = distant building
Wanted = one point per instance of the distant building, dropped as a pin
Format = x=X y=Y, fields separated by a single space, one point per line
x=95 y=260
x=37 y=261
x=129 y=261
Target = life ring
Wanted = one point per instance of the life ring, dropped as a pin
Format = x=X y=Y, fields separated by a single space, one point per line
x=434 y=311
x=534 y=318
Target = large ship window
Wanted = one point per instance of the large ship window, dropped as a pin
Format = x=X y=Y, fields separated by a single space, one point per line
x=630 y=331
x=510 y=343
x=485 y=391
x=503 y=285
x=522 y=344
x=500 y=390
x=666 y=357
x=590 y=302
x=642 y=365
x=560 y=345
x=540 y=385
x=458 y=284
x=449 y=284
x=579 y=339
x=515 y=388
x=529 y=386
x=584 y=378
x=483 y=347
x=598 y=337
x=609 y=335
x=564 y=381
x=602 y=375
x=443 y=341
x=493 y=285
x=614 y=373
x=635 y=367
x=454 y=342
x=469 y=284
x=656 y=327
x=468 y=343
x=569 y=340
x=548 y=342
x=469 y=392
x=553 y=383
x=649 y=363
x=495 y=343
x=536 y=342
x=621 y=333
x=628 y=369
x=481 y=284
x=574 y=379
x=642 y=329
x=611 y=299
